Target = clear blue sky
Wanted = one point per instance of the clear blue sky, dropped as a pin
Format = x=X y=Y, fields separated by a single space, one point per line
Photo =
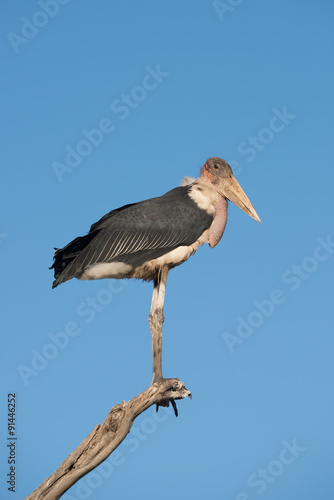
x=249 y=325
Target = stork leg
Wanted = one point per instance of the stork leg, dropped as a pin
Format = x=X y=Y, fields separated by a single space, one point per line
x=156 y=319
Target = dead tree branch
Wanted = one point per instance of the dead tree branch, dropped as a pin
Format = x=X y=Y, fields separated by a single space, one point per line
x=105 y=438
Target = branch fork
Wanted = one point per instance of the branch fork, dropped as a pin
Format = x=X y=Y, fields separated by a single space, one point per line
x=105 y=438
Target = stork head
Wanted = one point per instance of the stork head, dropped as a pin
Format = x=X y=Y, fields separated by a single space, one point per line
x=220 y=174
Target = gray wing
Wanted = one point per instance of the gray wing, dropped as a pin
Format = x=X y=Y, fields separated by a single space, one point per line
x=135 y=234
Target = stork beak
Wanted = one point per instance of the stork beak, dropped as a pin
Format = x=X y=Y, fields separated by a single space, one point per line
x=231 y=189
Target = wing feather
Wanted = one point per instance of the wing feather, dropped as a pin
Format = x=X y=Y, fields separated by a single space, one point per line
x=135 y=233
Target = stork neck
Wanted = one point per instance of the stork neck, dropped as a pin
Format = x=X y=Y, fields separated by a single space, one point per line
x=218 y=225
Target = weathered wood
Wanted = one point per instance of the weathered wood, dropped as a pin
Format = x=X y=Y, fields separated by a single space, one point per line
x=105 y=438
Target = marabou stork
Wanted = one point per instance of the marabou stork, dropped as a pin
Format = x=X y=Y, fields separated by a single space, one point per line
x=145 y=240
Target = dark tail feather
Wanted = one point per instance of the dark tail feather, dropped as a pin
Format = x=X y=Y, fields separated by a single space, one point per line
x=63 y=257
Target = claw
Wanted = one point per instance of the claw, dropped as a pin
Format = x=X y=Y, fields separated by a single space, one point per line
x=167 y=404
x=174 y=407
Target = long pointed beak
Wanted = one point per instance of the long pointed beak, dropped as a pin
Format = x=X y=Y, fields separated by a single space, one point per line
x=231 y=189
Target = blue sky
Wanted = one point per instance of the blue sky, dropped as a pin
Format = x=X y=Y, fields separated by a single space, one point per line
x=111 y=103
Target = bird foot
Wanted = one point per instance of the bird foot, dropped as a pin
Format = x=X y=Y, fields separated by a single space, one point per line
x=172 y=390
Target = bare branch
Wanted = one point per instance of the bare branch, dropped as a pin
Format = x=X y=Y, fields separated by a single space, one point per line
x=105 y=438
